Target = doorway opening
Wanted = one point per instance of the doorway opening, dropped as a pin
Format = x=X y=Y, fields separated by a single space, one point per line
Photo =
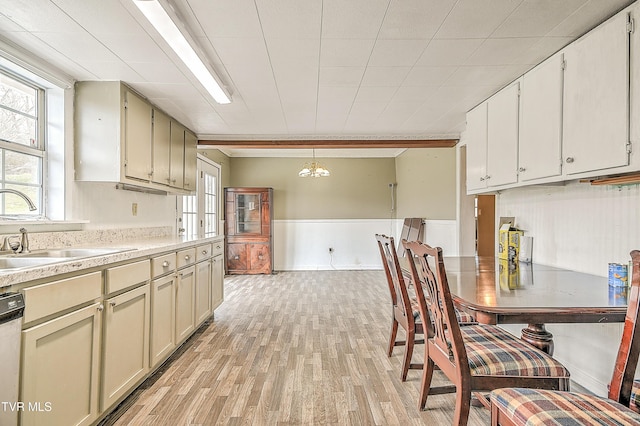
x=485 y=208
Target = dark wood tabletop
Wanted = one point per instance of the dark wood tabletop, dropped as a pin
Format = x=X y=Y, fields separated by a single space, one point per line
x=495 y=291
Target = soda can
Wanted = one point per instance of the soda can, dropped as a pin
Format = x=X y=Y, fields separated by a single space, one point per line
x=618 y=275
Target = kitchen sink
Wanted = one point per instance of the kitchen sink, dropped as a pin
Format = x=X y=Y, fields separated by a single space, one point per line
x=27 y=262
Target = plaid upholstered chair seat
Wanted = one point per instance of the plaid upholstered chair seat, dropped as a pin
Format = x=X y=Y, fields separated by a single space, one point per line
x=492 y=351
x=462 y=317
x=635 y=395
x=528 y=407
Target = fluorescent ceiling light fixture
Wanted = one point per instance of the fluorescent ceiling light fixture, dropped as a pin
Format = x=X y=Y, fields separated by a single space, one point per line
x=165 y=26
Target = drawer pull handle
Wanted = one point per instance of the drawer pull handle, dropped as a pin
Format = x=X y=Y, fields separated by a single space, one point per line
x=100 y=308
x=236 y=257
x=204 y=252
x=112 y=304
x=165 y=264
x=187 y=257
x=260 y=257
x=570 y=160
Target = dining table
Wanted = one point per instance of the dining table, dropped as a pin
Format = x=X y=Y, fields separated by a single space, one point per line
x=498 y=291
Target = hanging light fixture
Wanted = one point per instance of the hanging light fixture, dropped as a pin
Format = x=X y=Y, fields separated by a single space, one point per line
x=315 y=169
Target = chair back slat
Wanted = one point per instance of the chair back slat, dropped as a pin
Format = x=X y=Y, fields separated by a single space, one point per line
x=435 y=301
x=627 y=359
x=397 y=286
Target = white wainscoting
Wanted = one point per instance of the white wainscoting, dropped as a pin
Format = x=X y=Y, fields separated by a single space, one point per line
x=304 y=244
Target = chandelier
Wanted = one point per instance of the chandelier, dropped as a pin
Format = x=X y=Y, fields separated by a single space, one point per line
x=314 y=169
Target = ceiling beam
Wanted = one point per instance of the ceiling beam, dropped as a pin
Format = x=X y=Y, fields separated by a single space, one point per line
x=331 y=143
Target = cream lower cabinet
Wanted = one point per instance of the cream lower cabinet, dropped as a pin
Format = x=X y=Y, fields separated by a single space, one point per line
x=185 y=294
x=60 y=369
x=203 y=291
x=163 y=318
x=217 y=281
x=125 y=343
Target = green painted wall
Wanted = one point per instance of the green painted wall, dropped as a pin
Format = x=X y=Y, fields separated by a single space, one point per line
x=427 y=183
x=358 y=188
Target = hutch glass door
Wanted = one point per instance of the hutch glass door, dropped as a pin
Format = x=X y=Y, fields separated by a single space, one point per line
x=248 y=214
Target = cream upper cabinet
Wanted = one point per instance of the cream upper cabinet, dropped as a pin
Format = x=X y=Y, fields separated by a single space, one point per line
x=137 y=136
x=540 y=129
x=161 y=147
x=190 y=166
x=177 y=155
x=596 y=99
x=122 y=138
x=502 y=136
x=477 y=148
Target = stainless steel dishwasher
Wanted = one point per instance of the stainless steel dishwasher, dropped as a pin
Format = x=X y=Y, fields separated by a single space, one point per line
x=11 y=310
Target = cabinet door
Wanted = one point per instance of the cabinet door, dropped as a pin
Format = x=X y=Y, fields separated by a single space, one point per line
x=477 y=148
x=217 y=281
x=161 y=147
x=237 y=257
x=190 y=163
x=138 y=138
x=126 y=343
x=260 y=258
x=177 y=155
x=185 y=301
x=163 y=318
x=248 y=214
x=502 y=136
x=596 y=99
x=203 y=291
x=60 y=369
x=539 y=147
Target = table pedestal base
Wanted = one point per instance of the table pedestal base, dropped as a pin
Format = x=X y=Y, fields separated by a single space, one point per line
x=538 y=336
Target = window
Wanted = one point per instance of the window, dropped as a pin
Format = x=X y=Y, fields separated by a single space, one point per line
x=200 y=211
x=22 y=153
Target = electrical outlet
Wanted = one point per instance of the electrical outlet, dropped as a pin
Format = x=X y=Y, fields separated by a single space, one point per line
x=330 y=249
x=134 y=209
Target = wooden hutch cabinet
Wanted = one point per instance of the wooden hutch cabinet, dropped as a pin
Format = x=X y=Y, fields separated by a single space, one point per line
x=248 y=230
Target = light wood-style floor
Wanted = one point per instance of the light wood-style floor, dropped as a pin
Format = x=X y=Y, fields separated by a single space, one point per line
x=294 y=348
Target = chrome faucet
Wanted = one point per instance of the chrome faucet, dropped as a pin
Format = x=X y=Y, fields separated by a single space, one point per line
x=31 y=204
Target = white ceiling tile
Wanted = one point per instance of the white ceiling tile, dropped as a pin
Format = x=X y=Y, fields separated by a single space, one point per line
x=355 y=19
x=39 y=16
x=541 y=50
x=501 y=51
x=535 y=18
x=341 y=76
x=328 y=94
x=227 y=19
x=484 y=75
x=441 y=52
x=98 y=16
x=83 y=48
x=294 y=51
x=291 y=19
x=476 y=18
x=396 y=52
x=414 y=93
x=243 y=51
x=428 y=76
x=384 y=76
x=585 y=18
x=345 y=52
x=414 y=19
x=375 y=93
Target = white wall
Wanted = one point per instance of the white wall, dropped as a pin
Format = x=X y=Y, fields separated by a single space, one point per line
x=580 y=227
x=304 y=244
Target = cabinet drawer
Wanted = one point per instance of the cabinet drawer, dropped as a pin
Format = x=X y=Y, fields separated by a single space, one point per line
x=124 y=276
x=56 y=296
x=217 y=248
x=203 y=252
x=162 y=264
x=186 y=257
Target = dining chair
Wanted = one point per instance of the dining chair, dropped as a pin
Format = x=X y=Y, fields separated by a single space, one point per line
x=515 y=406
x=475 y=358
x=403 y=306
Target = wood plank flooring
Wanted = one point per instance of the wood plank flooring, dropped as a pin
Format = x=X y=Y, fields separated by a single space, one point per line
x=293 y=348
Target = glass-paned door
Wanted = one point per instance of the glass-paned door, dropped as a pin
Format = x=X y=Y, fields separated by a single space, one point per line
x=247 y=214
x=199 y=216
